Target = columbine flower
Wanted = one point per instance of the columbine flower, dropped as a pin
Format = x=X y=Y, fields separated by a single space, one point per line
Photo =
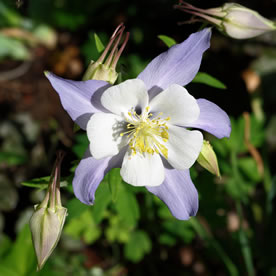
x=140 y=126
x=233 y=19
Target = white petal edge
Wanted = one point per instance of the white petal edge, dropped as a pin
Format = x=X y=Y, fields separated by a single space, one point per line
x=175 y=102
x=121 y=98
x=143 y=170
x=103 y=131
x=183 y=147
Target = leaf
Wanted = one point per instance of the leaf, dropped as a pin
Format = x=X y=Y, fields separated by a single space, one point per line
x=180 y=229
x=249 y=167
x=114 y=181
x=167 y=239
x=80 y=145
x=13 y=48
x=21 y=258
x=102 y=199
x=127 y=206
x=75 y=208
x=208 y=80
x=99 y=45
x=41 y=182
x=5 y=244
x=167 y=40
x=138 y=245
x=12 y=158
x=257 y=131
x=117 y=230
x=83 y=227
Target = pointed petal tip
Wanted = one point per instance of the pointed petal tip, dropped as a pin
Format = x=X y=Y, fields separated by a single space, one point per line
x=178 y=193
x=179 y=64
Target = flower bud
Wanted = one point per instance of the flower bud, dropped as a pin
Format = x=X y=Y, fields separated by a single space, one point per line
x=105 y=68
x=233 y=19
x=208 y=159
x=48 y=219
x=99 y=71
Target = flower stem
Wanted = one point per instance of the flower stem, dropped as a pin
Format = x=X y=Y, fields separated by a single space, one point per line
x=245 y=247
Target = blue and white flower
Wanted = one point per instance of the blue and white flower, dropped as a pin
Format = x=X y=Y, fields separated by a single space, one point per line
x=140 y=126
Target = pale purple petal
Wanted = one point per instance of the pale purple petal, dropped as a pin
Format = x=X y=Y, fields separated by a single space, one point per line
x=77 y=97
x=178 y=193
x=178 y=65
x=90 y=173
x=212 y=119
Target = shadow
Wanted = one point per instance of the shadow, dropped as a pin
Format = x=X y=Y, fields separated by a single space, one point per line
x=96 y=98
x=154 y=91
x=96 y=102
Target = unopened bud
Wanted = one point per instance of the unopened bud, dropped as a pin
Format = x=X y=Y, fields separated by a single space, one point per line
x=46 y=226
x=48 y=219
x=233 y=19
x=105 y=67
x=99 y=71
x=208 y=159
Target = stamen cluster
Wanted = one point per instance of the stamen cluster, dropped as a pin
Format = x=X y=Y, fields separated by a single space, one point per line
x=147 y=134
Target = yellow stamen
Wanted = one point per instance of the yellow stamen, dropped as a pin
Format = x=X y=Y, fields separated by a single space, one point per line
x=146 y=135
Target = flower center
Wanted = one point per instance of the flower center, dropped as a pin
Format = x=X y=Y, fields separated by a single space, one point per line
x=147 y=135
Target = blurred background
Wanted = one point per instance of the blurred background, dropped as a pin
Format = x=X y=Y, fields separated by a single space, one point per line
x=129 y=231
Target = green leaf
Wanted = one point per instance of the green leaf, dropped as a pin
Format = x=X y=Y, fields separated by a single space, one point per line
x=80 y=145
x=257 y=131
x=180 y=229
x=249 y=167
x=5 y=244
x=167 y=239
x=117 y=230
x=114 y=181
x=41 y=183
x=138 y=245
x=208 y=80
x=12 y=158
x=83 y=227
x=102 y=199
x=75 y=208
x=236 y=140
x=13 y=48
x=127 y=206
x=240 y=189
x=167 y=40
x=99 y=45
x=21 y=258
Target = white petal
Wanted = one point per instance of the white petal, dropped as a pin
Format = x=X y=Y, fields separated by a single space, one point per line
x=175 y=102
x=183 y=147
x=143 y=170
x=121 y=98
x=103 y=131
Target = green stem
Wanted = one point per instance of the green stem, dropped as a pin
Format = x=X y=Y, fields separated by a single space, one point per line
x=232 y=270
x=245 y=246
